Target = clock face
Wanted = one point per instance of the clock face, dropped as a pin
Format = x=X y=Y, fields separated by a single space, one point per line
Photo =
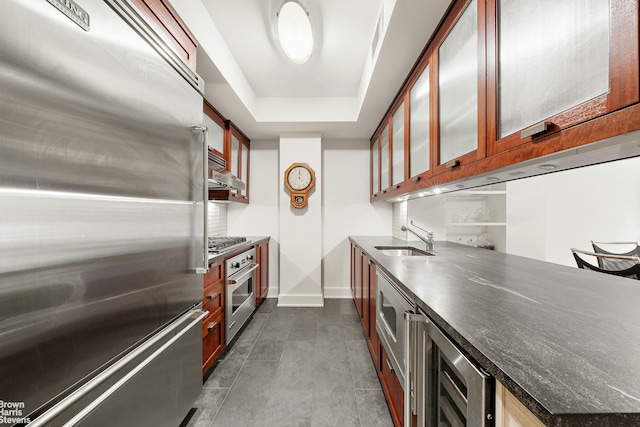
x=299 y=178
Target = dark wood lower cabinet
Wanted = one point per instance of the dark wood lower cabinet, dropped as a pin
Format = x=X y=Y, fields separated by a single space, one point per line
x=364 y=290
x=262 y=274
x=392 y=388
x=212 y=339
x=213 y=324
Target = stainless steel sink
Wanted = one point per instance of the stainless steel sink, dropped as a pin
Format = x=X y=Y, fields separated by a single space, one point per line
x=402 y=251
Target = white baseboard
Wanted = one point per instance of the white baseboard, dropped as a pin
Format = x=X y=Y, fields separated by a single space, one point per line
x=294 y=300
x=337 y=292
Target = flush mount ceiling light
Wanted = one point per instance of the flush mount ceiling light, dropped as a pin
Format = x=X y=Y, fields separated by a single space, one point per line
x=294 y=32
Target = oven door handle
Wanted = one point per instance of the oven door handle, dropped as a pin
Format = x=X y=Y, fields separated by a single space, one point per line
x=239 y=279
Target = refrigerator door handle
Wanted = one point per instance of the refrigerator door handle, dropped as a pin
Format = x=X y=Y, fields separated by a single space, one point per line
x=193 y=317
x=205 y=196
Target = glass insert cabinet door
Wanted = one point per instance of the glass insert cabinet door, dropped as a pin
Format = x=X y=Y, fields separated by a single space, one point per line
x=419 y=125
x=549 y=62
x=397 y=141
x=375 y=168
x=216 y=134
x=244 y=167
x=384 y=158
x=458 y=87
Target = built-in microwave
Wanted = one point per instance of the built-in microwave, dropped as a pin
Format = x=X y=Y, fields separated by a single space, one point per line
x=391 y=303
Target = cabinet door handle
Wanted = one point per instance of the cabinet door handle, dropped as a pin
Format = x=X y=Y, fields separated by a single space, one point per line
x=389 y=364
x=213 y=295
x=212 y=326
x=452 y=163
x=535 y=129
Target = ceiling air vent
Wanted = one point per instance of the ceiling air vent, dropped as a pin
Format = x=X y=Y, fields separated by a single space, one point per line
x=377 y=34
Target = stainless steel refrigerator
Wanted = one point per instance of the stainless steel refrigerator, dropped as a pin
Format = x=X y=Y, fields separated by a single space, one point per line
x=102 y=218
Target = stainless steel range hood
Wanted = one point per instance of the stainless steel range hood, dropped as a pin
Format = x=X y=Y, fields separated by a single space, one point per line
x=220 y=178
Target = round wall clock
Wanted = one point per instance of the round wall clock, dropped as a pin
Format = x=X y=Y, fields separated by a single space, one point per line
x=299 y=178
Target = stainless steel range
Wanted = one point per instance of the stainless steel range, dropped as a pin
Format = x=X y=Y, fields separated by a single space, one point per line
x=218 y=243
x=240 y=293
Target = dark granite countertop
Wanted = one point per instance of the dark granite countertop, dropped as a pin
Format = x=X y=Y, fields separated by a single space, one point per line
x=234 y=250
x=565 y=341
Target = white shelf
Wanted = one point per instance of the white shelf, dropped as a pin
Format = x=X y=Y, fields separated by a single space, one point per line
x=476 y=224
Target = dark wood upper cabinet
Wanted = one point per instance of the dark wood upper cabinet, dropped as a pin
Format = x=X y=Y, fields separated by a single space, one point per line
x=375 y=167
x=502 y=82
x=418 y=104
x=551 y=71
x=398 y=146
x=217 y=126
x=238 y=161
x=459 y=88
x=170 y=27
x=228 y=141
x=385 y=158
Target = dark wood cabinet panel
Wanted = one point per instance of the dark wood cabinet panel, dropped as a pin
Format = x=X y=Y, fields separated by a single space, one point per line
x=213 y=298
x=170 y=27
x=358 y=281
x=365 y=319
x=392 y=388
x=215 y=274
x=213 y=325
x=212 y=339
x=262 y=274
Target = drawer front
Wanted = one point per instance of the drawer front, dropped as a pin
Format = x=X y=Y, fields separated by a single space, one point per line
x=213 y=298
x=212 y=339
x=396 y=393
x=215 y=274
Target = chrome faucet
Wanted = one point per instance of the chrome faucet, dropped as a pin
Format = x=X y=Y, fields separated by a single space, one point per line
x=428 y=241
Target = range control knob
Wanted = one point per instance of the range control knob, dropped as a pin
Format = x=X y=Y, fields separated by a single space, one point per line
x=235 y=264
x=249 y=257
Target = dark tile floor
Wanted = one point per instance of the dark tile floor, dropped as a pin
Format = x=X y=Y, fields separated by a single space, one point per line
x=295 y=367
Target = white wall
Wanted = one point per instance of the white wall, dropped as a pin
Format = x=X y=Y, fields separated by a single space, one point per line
x=346 y=210
x=260 y=217
x=549 y=214
x=300 y=229
x=428 y=213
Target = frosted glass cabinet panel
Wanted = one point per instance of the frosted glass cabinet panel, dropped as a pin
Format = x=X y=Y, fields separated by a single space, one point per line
x=458 y=87
x=398 y=145
x=549 y=62
x=245 y=168
x=215 y=138
x=375 y=168
x=384 y=158
x=419 y=125
x=235 y=150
